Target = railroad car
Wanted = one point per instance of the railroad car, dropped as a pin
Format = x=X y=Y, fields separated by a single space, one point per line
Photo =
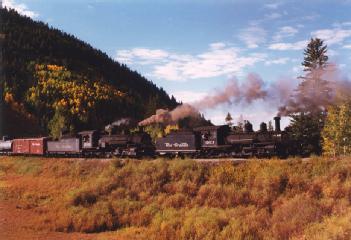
x=29 y=146
x=68 y=146
x=5 y=145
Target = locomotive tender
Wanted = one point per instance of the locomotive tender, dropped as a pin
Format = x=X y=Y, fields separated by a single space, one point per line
x=208 y=141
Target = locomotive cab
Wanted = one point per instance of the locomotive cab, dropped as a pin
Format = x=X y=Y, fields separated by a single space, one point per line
x=212 y=136
x=90 y=139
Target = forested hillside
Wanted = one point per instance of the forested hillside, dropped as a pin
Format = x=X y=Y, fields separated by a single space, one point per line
x=29 y=45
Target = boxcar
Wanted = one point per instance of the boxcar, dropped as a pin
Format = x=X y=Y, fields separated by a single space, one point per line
x=30 y=146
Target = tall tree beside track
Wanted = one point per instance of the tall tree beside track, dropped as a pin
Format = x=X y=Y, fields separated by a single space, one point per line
x=313 y=94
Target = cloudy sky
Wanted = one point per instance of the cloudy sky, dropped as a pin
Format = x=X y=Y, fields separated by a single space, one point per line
x=193 y=48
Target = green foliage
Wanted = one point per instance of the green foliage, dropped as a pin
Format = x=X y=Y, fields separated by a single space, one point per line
x=305 y=133
x=315 y=55
x=57 y=124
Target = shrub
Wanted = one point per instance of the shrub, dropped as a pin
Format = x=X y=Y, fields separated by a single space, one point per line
x=293 y=215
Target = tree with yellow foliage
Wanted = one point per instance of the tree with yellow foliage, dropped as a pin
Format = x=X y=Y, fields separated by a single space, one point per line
x=63 y=97
x=337 y=130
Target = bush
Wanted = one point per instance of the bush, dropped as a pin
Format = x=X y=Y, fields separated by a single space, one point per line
x=293 y=215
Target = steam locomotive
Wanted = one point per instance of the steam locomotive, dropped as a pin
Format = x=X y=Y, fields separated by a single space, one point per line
x=223 y=141
x=207 y=141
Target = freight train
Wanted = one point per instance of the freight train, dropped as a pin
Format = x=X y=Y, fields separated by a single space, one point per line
x=207 y=141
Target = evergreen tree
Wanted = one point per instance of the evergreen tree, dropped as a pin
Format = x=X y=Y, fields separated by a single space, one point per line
x=311 y=100
x=315 y=55
x=314 y=93
x=305 y=134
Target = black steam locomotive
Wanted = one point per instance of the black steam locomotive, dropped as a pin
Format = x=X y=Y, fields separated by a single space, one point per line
x=208 y=141
x=223 y=141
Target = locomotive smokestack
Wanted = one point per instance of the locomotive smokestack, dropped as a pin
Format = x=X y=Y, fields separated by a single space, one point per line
x=277 y=123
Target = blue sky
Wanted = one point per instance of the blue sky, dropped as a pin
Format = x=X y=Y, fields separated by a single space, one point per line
x=191 y=48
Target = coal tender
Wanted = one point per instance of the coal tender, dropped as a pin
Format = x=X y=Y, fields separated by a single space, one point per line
x=179 y=143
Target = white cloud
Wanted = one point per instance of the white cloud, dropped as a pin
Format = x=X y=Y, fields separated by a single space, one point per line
x=332 y=36
x=277 y=61
x=21 y=8
x=272 y=5
x=284 y=32
x=145 y=54
x=253 y=36
x=342 y=24
x=272 y=16
x=217 y=45
x=218 y=60
x=189 y=96
x=311 y=17
x=348 y=46
x=288 y=46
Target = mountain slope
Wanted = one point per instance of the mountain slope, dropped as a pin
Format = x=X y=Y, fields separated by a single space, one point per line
x=27 y=43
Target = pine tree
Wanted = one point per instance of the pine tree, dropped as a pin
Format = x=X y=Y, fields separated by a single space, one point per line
x=315 y=55
x=313 y=96
x=314 y=93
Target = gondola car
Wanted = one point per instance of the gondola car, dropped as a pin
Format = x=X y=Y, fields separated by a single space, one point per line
x=67 y=146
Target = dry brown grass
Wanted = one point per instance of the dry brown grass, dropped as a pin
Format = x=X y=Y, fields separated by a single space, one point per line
x=183 y=199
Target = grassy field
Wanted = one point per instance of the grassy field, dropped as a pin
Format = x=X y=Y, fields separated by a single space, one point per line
x=177 y=199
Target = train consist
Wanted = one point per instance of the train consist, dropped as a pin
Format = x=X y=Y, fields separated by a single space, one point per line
x=85 y=144
x=208 y=141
